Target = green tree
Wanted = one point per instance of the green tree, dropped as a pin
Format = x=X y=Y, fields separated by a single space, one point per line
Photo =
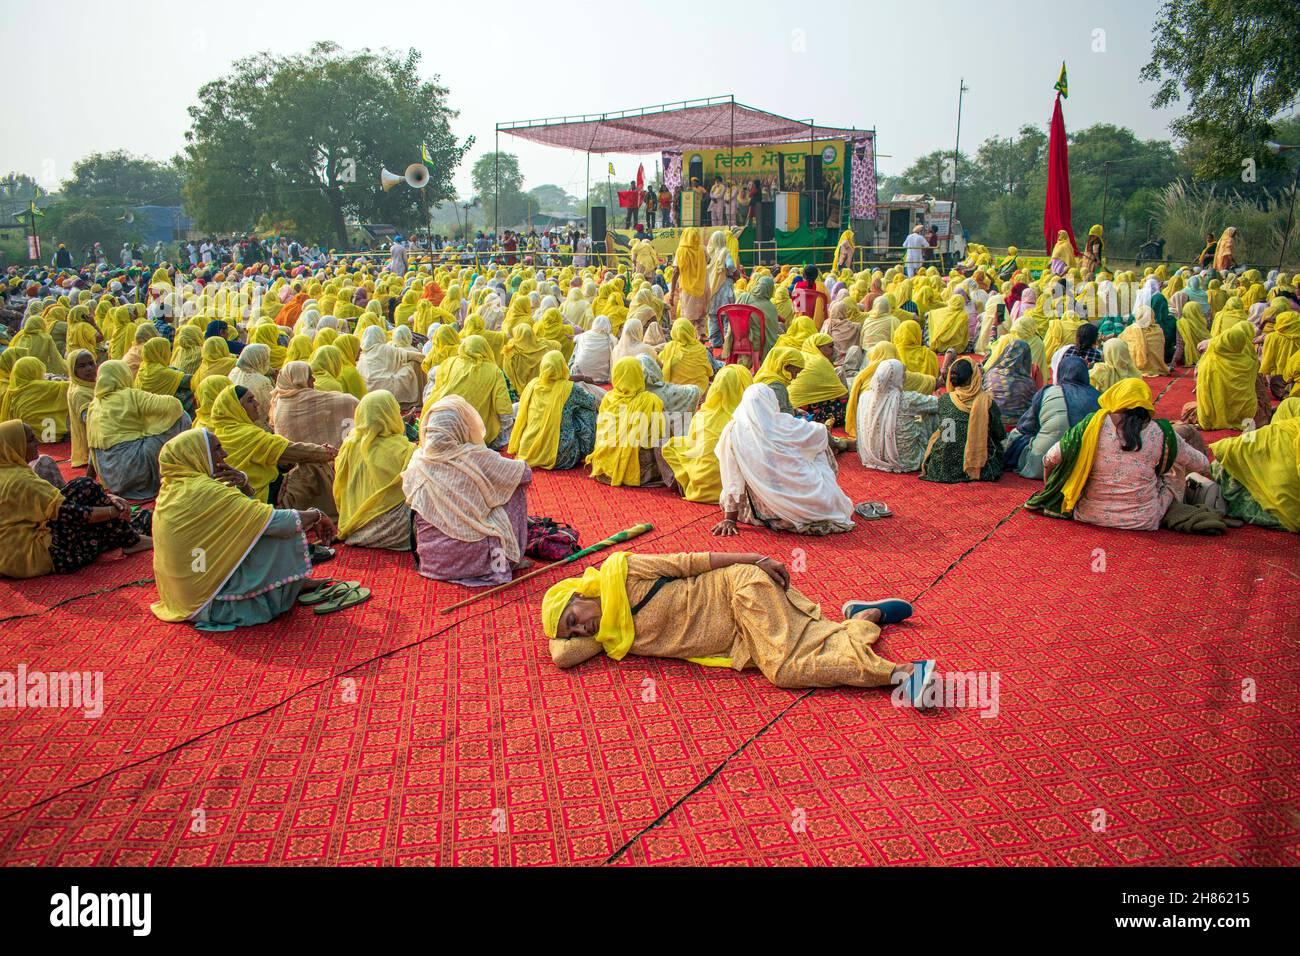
x=551 y=198
x=122 y=177
x=1235 y=61
x=17 y=186
x=510 y=207
x=300 y=140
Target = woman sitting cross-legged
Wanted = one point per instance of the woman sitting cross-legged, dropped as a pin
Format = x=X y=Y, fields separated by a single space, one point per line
x=469 y=504
x=1120 y=468
x=1054 y=411
x=225 y=559
x=892 y=423
x=304 y=414
x=368 y=476
x=690 y=457
x=47 y=527
x=125 y=430
x=778 y=470
x=967 y=441
x=723 y=610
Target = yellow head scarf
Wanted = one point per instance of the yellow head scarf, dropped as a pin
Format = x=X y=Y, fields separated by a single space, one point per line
x=691 y=456
x=1125 y=394
x=1225 y=379
x=774 y=366
x=368 y=470
x=949 y=326
x=269 y=335
x=616 y=632
x=187 y=352
x=689 y=262
x=198 y=514
x=798 y=330
x=630 y=419
x=41 y=404
x=914 y=356
x=1267 y=462
x=252 y=450
x=551 y=326
x=217 y=360
x=30 y=503
x=154 y=375
x=80 y=394
x=472 y=375
x=818 y=381
x=299 y=350
x=120 y=413
x=684 y=360
x=326 y=365
x=521 y=356
x=536 y=436
x=207 y=393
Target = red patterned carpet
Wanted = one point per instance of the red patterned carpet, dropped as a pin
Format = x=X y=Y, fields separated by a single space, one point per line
x=392 y=734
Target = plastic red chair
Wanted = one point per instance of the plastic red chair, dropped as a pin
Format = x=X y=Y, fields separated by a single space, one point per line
x=805 y=301
x=738 y=319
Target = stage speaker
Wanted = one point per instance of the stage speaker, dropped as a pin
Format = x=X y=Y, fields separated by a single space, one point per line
x=696 y=172
x=813 y=172
x=597 y=224
x=765 y=228
x=780 y=172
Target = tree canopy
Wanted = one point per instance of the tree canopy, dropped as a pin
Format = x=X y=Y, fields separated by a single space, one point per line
x=122 y=177
x=299 y=141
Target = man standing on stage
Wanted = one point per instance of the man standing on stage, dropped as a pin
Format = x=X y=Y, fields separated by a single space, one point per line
x=914 y=247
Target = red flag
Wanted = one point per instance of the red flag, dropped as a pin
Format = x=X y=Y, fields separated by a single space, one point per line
x=1056 y=211
x=640 y=177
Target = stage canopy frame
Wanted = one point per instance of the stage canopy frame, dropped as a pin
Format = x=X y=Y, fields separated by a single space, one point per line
x=718 y=122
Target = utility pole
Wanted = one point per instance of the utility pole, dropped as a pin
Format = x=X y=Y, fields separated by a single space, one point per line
x=956 y=160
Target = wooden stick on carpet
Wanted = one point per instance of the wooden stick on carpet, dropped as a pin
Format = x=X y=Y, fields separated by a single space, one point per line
x=625 y=535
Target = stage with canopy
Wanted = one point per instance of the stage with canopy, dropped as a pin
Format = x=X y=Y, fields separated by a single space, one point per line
x=718 y=137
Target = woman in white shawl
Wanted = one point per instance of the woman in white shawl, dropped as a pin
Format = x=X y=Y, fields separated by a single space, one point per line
x=547 y=302
x=253 y=371
x=778 y=471
x=470 y=503
x=593 y=352
x=383 y=366
x=1150 y=287
x=492 y=312
x=894 y=426
x=989 y=323
x=630 y=344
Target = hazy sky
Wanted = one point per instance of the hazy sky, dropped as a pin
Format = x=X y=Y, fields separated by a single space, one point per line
x=89 y=78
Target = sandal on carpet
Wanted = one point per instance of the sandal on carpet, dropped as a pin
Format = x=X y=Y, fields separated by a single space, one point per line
x=319 y=554
x=329 y=588
x=350 y=596
x=872 y=510
x=892 y=610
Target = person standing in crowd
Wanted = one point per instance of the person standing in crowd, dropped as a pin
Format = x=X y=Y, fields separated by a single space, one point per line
x=914 y=247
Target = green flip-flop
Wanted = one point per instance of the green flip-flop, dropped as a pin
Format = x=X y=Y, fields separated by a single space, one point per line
x=329 y=589
x=348 y=597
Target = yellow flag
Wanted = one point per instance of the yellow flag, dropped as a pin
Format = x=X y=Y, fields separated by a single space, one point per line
x=611 y=169
x=1063 y=83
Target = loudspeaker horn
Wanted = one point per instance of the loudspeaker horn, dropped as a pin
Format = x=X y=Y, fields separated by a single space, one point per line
x=388 y=180
x=128 y=217
x=417 y=175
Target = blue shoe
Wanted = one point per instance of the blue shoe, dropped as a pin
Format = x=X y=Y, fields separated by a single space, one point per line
x=919 y=681
x=892 y=610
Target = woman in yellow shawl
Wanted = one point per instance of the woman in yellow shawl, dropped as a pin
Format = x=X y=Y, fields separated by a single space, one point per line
x=472 y=375
x=1115 y=366
x=879 y=354
x=187 y=350
x=795 y=333
x=914 y=356
x=695 y=469
x=81 y=390
x=690 y=293
x=950 y=326
x=407 y=307
x=1063 y=251
x=125 y=430
x=1231 y=314
x=522 y=356
x=349 y=347
x=216 y=360
x=205 y=396
x=154 y=374
x=269 y=335
x=36 y=339
x=817 y=389
x=556 y=425
x=326 y=367
x=881 y=325
x=368 y=477
x=630 y=429
x=1025 y=330
x=323 y=337
x=254 y=556
x=30 y=398
x=552 y=326
x=299 y=350
x=474 y=326
x=1061 y=332
x=519 y=312
x=47 y=528
x=1192 y=331
x=1281 y=343
x=445 y=344
x=81 y=333
x=1146 y=343
x=253 y=450
x=1226 y=395
x=684 y=360
x=1259 y=472
x=778 y=371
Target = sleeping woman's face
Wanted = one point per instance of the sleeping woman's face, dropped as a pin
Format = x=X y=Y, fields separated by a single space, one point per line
x=580 y=619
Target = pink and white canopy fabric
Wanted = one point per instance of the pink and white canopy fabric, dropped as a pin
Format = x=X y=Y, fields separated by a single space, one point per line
x=716 y=125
